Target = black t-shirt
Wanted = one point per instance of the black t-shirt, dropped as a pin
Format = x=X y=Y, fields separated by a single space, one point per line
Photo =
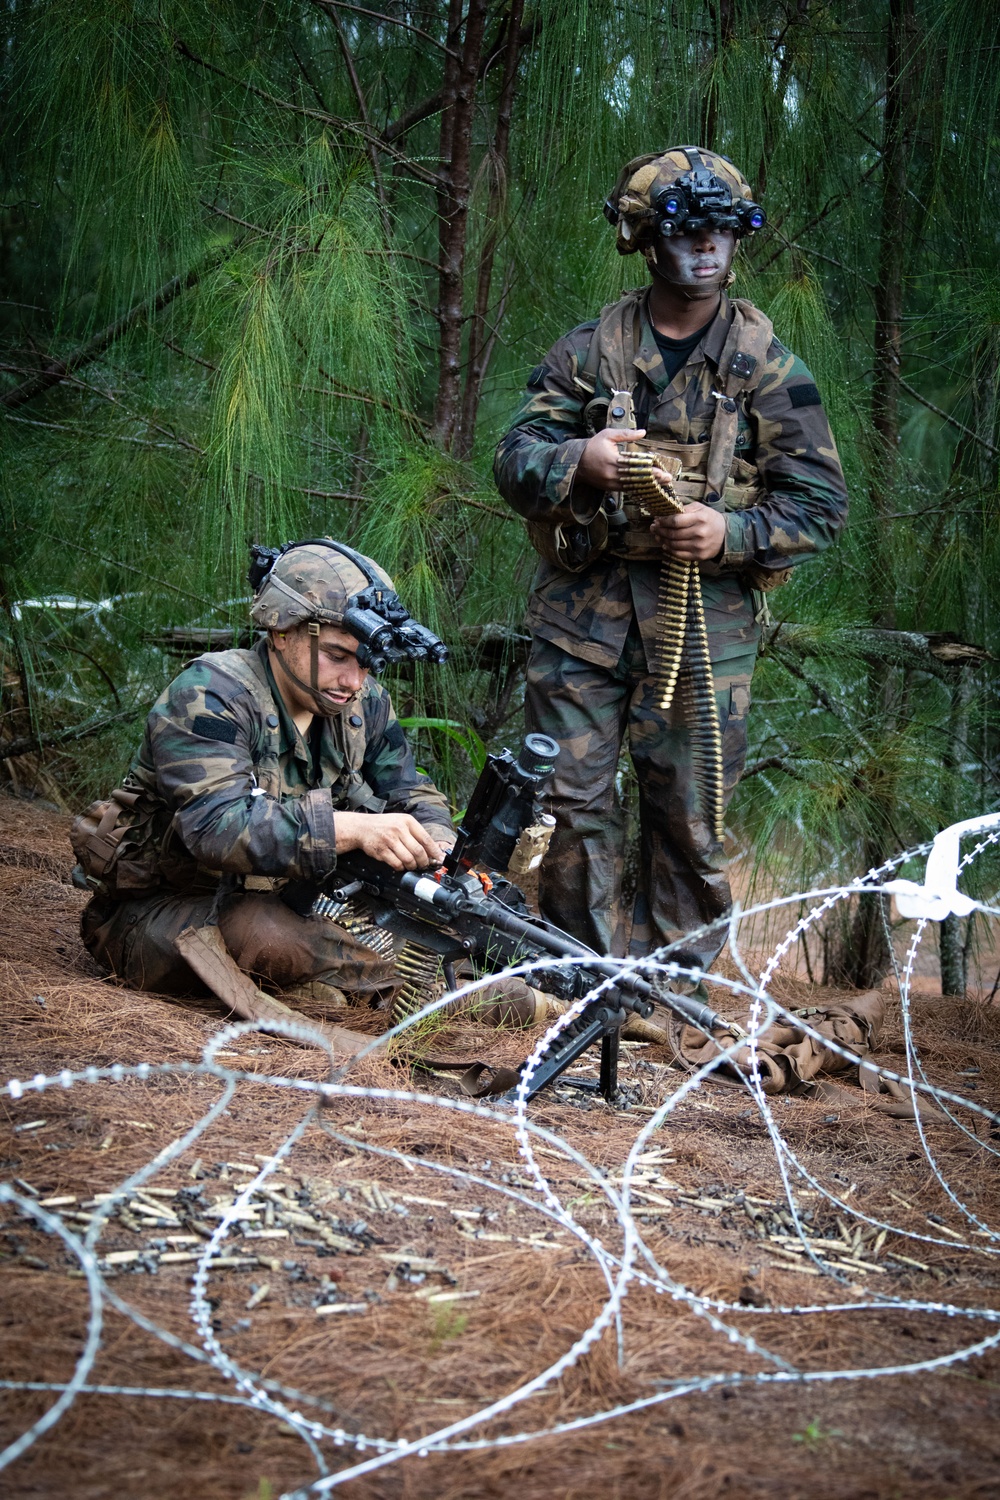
x=675 y=351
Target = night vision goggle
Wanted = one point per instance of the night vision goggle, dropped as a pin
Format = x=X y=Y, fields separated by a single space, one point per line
x=698 y=200
x=376 y=617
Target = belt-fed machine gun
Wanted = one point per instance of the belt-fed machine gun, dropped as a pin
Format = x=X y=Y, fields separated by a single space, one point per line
x=458 y=912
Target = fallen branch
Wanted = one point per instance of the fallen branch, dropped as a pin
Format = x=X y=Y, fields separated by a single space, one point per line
x=938 y=652
x=57 y=370
x=30 y=744
x=494 y=644
x=478 y=648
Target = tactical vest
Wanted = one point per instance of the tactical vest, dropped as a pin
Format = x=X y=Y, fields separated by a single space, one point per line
x=709 y=472
x=127 y=846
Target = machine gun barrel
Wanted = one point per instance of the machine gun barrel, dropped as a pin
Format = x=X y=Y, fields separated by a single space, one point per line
x=561 y=945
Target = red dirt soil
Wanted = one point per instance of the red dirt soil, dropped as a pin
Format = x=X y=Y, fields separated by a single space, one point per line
x=408 y=1365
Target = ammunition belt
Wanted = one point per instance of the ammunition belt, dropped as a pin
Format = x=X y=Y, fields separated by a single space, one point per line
x=685 y=463
x=420 y=969
x=682 y=637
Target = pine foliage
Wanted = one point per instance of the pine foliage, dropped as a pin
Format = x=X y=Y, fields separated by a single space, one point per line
x=222 y=174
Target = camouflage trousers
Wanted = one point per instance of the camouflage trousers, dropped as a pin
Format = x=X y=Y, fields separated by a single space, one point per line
x=681 y=879
x=135 y=941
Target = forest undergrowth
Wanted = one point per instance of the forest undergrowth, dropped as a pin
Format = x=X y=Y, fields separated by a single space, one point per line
x=283 y=270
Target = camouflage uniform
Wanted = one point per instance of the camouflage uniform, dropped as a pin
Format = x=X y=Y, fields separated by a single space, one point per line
x=228 y=786
x=594 y=632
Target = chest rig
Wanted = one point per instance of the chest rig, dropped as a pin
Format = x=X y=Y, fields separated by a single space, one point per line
x=710 y=472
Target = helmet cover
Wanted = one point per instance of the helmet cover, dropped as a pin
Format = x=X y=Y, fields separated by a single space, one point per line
x=632 y=203
x=310 y=582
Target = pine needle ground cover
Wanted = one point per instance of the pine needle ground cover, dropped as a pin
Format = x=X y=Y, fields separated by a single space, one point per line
x=398 y=1293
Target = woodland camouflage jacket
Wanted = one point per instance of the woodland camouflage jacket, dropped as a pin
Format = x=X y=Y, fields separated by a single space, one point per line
x=229 y=783
x=783 y=433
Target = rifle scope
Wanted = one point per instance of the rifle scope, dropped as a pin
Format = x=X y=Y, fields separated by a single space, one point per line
x=503 y=804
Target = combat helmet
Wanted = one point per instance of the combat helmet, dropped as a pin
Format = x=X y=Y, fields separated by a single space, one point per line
x=310 y=580
x=686 y=187
x=322 y=582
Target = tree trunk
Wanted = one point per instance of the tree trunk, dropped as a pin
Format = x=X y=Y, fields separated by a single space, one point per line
x=775 y=107
x=862 y=958
x=458 y=95
x=952 y=950
x=355 y=507
x=951 y=937
x=889 y=288
x=22 y=678
x=857 y=956
x=481 y=336
x=723 y=17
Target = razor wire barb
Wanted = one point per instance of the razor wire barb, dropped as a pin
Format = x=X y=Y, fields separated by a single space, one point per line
x=630 y=1262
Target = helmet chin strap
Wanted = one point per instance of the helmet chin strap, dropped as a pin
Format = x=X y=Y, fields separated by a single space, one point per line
x=323 y=706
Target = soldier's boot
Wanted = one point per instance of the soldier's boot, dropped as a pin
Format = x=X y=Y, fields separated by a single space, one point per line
x=317 y=991
x=510 y=1003
x=638 y=1030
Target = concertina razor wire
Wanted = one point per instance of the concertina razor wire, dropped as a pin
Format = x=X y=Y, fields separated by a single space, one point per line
x=630 y=1262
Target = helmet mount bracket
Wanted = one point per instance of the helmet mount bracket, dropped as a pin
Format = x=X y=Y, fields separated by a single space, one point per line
x=680 y=191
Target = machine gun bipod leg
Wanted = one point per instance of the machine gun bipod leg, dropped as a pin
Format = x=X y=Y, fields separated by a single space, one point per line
x=604 y=1026
x=608 y=1081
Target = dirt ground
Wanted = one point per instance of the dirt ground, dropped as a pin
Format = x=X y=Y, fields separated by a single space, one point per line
x=455 y=1294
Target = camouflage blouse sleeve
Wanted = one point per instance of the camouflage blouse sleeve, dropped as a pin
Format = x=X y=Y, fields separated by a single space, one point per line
x=391 y=772
x=201 y=735
x=805 y=500
x=536 y=460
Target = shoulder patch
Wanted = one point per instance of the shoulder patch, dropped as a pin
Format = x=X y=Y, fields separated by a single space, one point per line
x=805 y=395
x=214 y=729
x=394 y=736
x=537 y=377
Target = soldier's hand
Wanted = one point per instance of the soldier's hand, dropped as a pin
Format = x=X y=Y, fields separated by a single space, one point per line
x=598 y=464
x=696 y=536
x=397 y=839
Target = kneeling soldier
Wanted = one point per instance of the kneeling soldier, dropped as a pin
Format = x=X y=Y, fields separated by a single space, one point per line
x=257 y=768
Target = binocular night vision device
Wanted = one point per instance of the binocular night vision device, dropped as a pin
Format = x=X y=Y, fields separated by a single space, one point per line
x=385 y=630
x=699 y=200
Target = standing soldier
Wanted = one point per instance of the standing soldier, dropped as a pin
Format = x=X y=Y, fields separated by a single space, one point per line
x=743 y=448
